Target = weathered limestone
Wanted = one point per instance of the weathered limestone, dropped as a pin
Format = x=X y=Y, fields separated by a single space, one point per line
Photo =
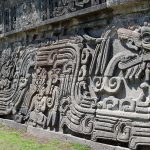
x=80 y=67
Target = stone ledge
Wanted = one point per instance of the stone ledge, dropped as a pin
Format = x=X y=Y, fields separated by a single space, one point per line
x=51 y=135
x=65 y=17
x=14 y=125
x=109 y=5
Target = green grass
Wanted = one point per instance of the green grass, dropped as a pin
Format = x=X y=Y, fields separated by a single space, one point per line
x=13 y=140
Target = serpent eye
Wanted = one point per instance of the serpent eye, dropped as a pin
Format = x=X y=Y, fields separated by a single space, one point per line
x=146 y=37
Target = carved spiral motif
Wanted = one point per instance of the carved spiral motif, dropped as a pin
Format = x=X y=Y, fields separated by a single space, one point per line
x=112 y=85
x=88 y=125
x=97 y=82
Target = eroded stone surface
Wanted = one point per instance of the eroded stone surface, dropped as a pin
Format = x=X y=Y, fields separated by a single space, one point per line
x=88 y=76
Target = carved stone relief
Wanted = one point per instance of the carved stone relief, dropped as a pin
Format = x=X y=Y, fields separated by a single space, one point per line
x=80 y=85
x=28 y=13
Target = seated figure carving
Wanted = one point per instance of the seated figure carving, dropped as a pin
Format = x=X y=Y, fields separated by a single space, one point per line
x=37 y=109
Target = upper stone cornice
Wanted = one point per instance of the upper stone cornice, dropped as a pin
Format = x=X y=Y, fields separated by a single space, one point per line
x=17 y=16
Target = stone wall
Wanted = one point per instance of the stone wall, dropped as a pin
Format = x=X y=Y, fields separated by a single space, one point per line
x=80 y=67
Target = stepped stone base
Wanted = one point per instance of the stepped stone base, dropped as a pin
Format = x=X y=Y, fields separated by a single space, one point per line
x=50 y=135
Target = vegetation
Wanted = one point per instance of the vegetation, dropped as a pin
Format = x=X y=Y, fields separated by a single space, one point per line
x=13 y=140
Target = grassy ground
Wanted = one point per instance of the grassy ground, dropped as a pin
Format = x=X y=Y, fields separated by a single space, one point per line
x=13 y=140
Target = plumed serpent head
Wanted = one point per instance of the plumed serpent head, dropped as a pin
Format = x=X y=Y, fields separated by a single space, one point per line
x=145 y=34
x=137 y=39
